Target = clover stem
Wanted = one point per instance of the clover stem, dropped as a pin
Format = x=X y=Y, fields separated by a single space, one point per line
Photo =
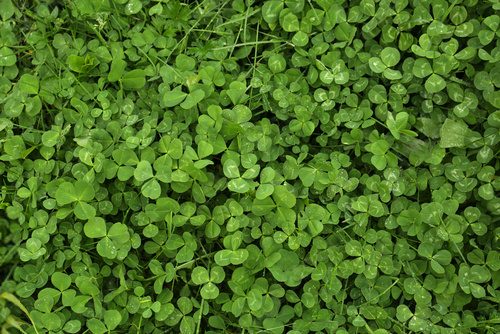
x=368 y=328
x=490 y=321
x=148 y=58
x=398 y=322
x=18 y=328
x=98 y=34
x=139 y=326
x=199 y=317
x=13 y=299
x=187 y=264
x=385 y=291
x=237 y=37
x=459 y=252
x=125 y=216
x=448 y=11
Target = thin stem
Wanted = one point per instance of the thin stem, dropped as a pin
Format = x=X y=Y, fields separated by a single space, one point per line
x=198 y=326
x=252 y=43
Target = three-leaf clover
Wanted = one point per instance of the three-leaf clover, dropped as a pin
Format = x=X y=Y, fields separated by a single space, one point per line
x=490 y=31
x=398 y=125
x=32 y=250
x=437 y=259
x=114 y=242
x=239 y=183
x=78 y=193
x=112 y=319
x=379 y=149
x=435 y=81
x=389 y=57
x=471 y=277
x=144 y=173
x=209 y=279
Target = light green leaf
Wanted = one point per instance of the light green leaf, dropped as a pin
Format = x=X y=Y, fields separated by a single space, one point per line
x=307 y=175
x=117 y=69
x=264 y=190
x=453 y=134
x=134 y=80
x=60 y=280
x=376 y=65
x=84 y=211
x=200 y=275
x=29 y=84
x=95 y=228
x=96 y=326
x=422 y=68
x=143 y=171
x=118 y=232
x=106 y=248
x=379 y=161
x=50 y=138
x=271 y=10
x=289 y=21
x=193 y=99
x=391 y=74
x=112 y=319
x=204 y=149
x=173 y=97
x=84 y=190
x=238 y=185
x=435 y=83
x=236 y=91
x=7 y=57
x=66 y=194
x=390 y=56
x=8 y=9
x=231 y=169
x=223 y=257
x=209 y=291
x=151 y=189
x=283 y=197
x=156 y=9
x=263 y=207
x=133 y=7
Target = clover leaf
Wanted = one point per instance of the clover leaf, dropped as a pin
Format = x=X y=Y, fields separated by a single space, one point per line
x=253 y=166
x=201 y=276
x=470 y=279
x=114 y=242
x=389 y=57
x=112 y=319
x=79 y=191
x=453 y=134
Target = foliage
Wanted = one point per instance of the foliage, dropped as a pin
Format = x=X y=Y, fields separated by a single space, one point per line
x=242 y=166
